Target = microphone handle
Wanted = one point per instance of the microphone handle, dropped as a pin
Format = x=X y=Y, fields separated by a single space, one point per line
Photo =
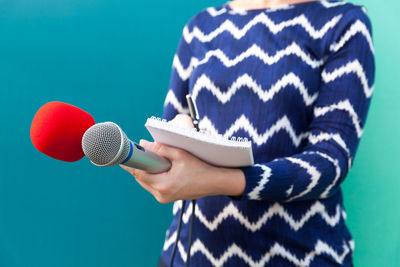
x=142 y=159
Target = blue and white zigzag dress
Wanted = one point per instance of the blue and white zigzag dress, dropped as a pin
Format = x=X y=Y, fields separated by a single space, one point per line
x=297 y=81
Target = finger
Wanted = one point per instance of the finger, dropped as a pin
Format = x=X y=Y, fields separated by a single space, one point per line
x=145 y=179
x=133 y=171
x=183 y=120
x=146 y=186
x=128 y=169
x=146 y=144
x=152 y=146
x=172 y=153
x=137 y=174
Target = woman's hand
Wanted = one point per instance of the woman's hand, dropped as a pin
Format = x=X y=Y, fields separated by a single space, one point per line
x=188 y=178
x=185 y=121
x=182 y=120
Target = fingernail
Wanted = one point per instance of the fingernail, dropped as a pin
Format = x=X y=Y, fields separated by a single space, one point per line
x=144 y=143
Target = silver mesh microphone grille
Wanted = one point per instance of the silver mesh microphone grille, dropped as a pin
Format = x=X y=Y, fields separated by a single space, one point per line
x=102 y=142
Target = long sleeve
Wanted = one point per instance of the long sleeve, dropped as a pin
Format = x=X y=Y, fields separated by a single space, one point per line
x=339 y=116
x=182 y=66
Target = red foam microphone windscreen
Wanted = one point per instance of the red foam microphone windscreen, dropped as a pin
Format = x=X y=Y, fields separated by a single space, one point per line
x=57 y=130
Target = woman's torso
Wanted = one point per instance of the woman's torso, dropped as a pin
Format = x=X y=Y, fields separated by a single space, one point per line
x=258 y=76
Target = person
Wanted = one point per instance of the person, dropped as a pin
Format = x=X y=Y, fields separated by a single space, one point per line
x=295 y=77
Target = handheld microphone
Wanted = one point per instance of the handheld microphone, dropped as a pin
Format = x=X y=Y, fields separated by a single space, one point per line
x=105 y=144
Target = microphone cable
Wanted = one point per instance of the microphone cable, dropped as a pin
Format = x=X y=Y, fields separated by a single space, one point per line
x=190 y=233
x=178 y=231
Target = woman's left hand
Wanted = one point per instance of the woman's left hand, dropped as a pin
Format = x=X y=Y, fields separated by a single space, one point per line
x=188 y=178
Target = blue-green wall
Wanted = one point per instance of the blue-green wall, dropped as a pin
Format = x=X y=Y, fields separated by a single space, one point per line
x=113 y=59
x=372 y=189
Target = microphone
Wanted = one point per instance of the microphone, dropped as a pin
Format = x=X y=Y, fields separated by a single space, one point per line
x=57 y=130
x=105 y=144
x=68 y=133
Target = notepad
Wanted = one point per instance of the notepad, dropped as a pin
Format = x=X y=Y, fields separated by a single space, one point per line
x=216 y=150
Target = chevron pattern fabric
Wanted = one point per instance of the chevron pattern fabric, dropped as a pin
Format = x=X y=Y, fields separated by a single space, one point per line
x=297 y=81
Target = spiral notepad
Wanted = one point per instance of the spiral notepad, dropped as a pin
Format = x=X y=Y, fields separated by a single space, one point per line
x=216 y=150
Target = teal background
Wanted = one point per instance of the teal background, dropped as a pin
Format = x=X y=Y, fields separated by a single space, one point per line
x=113 y=59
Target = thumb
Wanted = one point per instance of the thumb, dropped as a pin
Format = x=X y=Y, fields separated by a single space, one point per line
x=161 y=149
x=148 y=145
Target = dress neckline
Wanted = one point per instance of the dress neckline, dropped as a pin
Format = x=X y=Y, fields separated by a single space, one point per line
x=268 y=9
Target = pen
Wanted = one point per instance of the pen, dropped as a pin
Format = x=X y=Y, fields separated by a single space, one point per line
x=193 y=112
